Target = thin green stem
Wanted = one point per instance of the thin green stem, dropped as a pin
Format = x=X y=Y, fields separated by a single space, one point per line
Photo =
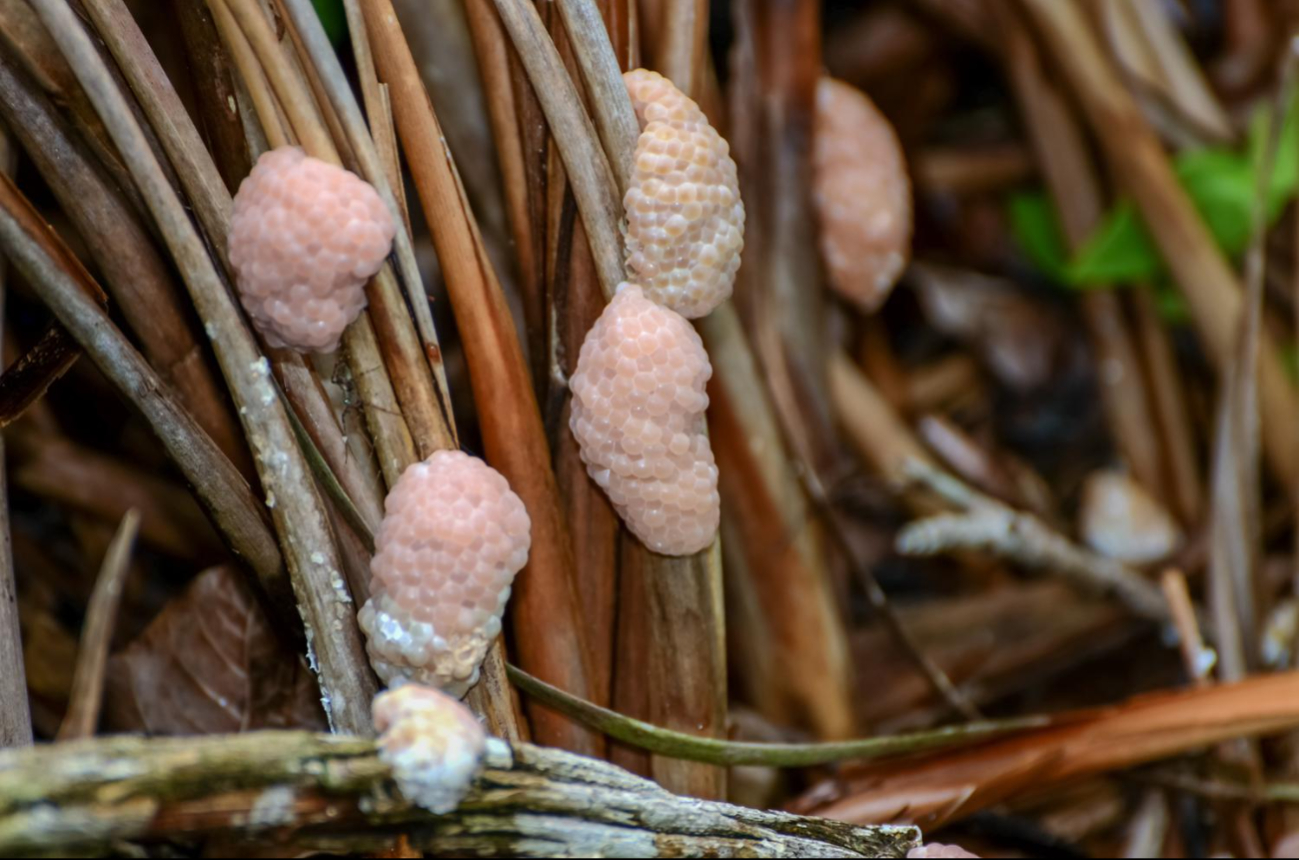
x=737 y=753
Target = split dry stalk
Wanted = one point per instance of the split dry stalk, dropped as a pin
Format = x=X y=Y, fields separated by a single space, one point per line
x=15 y=714
x=547 y=620
x=82 y=717
x=315 y=793
x=1211 y=287
x=298 y=512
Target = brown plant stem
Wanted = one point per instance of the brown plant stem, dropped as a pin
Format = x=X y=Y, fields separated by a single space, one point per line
x=84 y=703
x=590 y=175
x=15 y=714
x=547 y=620
x=298 y=512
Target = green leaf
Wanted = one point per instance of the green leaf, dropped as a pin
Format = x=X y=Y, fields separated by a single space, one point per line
x=333 y=18
x=1120 y=251
x=1222 y=185
x=1036 y=228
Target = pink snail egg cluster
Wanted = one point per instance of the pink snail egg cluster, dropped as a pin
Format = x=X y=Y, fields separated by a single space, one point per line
x=685 y=220
x=452 y=539
x=433 y=744
x=862 y=195
x=305 y=237
x=934 y=850
x=638 y=416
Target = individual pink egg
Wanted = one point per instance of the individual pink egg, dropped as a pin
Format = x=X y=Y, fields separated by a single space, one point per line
x=638 y=417
x=305 y=238
x=862 y=195
x=453 y=537
x=685 y=219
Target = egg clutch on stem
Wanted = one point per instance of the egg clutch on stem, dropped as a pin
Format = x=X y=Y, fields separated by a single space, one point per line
x=305 y=238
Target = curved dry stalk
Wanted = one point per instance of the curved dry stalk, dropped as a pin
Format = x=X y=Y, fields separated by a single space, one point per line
x=82 y=717
x=15 y=715
x=546 y=612
x=298 y=512
x=589 y=173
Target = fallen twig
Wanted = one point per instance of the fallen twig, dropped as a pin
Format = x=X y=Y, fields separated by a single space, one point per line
x=333 y=793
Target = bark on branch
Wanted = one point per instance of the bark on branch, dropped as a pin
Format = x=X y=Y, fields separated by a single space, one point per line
x=329 y=792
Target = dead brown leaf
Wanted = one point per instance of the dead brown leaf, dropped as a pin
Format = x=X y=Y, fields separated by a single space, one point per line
x=208 y=664
x=937 y=790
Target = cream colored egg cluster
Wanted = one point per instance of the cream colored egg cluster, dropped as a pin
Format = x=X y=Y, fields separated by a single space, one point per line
x=305 y=237
x=433 y=744
x=685 y=220
x=862 y=194
x=452 y=539
x=638 y=416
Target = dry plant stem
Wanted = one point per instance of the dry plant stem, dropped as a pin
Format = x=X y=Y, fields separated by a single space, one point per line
x=299 y=515
x=548 y=630
x=1065 y=162
x=614 y=116
x=1211 y=287
x=1182 y=608
x=589 y=172
x=334 y=794
x=15 y=714
x=1173 y=418
x=219 y=486
x=425 y=398
x=682 y=49
x=780 y=540
x=986 y=524
x=776 y=64
x=493 y=54
x=135 y=273
x=388 y=425
x=87 y=693
x=216 y=91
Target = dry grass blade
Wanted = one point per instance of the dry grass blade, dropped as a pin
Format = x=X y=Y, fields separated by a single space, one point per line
x=300 y=518
x=24 y=383
x=82 y=717
x=612 y=108
x=547 y=614
x=15 y=717
x=945 y=788
x=589 y=172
